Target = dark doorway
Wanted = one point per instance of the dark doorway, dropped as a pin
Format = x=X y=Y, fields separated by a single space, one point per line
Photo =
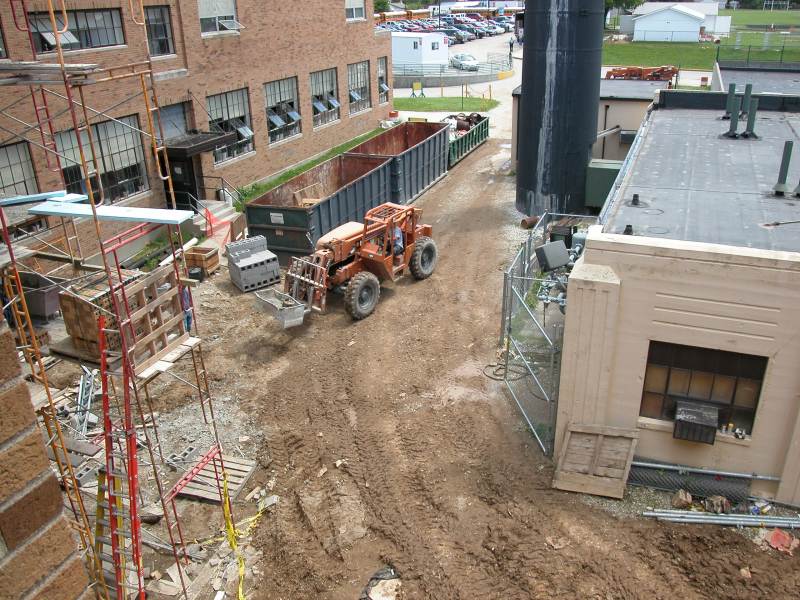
x=184 y=183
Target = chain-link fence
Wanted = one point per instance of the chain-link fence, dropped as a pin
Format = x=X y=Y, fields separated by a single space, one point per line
x=784 y=55
x=531 y=332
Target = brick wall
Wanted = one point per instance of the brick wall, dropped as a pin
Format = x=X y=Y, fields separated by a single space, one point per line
x=38 y=552
x=276 y=42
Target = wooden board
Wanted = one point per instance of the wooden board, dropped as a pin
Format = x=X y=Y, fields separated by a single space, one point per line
x=203 y=486
x=595 y=459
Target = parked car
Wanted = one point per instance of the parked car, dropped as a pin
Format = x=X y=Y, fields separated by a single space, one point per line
x=464 y=62
x=497 y=29
x=504 y=25
x=457 y=34
x=484 y=28
x=475 y=17
x=471 y=33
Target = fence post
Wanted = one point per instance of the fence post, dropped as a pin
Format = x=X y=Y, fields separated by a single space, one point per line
x=747 y=62
x=503 y=309
x=780 y=62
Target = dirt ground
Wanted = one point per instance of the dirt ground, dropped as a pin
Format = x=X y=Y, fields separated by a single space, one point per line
x=440 y=479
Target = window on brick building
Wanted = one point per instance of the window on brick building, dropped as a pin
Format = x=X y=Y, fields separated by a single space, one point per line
x=354 y=10
x=159 y=30
x=120 y=158
x=85 y=29
x=230 y=112
x=173 y=120
x=383 y=80
x=728 y=381
x=17 y=177
x=324 y=97
x=283 y=109
x=358 y=87
x=218 y=15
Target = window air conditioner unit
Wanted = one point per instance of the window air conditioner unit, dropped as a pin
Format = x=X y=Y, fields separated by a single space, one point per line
x=696 y=422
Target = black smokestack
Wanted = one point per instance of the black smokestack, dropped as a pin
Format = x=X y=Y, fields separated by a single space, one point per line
x=558 y=105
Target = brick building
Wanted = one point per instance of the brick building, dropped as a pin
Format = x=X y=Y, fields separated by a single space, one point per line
x=38 y=552
x=276 y=82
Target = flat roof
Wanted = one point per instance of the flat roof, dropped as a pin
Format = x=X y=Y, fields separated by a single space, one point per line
x=766 y=81
x=695 y=185
x=622 y=89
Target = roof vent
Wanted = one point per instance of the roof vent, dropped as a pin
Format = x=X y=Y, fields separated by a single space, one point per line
x=749 y=131
x=731 y=133
x=628 y=230
x=729 y=101
x=635 y=200
x=780 y=188
x=748 y=91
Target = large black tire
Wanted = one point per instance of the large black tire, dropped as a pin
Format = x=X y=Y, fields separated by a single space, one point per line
x=362 y=295
x=423 y=260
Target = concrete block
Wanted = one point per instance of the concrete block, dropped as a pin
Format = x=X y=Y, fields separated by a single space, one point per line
x=255 y=271
x=68 y=583
x=21 y=462
x=243 y=248
x=9 y=362
x=39 y=505
x=17 y=410
x=30 y=564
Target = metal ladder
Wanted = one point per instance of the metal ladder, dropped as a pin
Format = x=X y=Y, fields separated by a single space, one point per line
x=122 y=481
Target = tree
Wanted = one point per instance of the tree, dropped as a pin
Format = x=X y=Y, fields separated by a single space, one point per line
x=381 y=5
x=621 y=4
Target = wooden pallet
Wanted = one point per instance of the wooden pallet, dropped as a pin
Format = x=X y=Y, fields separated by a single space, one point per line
x=204 y=485
x=595 y=460
x=168 y=360
x=205 y=257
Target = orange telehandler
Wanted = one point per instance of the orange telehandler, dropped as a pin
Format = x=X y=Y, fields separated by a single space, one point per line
x=355 y=258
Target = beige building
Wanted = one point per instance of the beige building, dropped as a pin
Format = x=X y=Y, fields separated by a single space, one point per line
x=685 y=299
x=622 y=108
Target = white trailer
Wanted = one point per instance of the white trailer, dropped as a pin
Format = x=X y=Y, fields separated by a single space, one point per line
x=426 y=49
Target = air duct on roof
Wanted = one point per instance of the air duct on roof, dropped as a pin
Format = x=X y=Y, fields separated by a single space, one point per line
x=780 y=188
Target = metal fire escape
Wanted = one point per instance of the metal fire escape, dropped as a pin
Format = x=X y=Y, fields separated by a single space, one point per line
x=113 y=549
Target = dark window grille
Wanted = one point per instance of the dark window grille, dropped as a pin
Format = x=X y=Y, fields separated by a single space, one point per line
x=230 y=112
x=358 y=87
x=726 y=380
x=17 y=177
x=324 y=97
x=383 y=80
x=86 y=29
x=283 y=109
x=120 y=159
x=159 y=30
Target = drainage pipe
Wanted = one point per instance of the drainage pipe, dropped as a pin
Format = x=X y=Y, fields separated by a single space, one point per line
x=681 y=469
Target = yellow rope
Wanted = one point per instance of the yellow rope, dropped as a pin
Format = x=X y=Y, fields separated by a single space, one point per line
x=232 y=534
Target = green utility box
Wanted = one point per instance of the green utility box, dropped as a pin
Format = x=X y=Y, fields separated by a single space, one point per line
x=600 y=177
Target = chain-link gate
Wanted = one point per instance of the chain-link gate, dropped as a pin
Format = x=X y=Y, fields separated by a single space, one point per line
x=531 y=334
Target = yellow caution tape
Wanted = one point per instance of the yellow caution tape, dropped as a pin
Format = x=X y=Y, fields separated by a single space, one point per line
x=232 y=533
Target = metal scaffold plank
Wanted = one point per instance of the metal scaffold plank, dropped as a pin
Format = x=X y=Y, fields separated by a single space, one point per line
x=162 y=216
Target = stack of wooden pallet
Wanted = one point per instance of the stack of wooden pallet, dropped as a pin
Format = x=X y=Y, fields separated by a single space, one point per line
x=83 y=303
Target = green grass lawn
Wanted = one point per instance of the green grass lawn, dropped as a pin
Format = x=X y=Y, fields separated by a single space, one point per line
x=446 y=104
x=762 y=17
x=655 y=54
x=257 y=189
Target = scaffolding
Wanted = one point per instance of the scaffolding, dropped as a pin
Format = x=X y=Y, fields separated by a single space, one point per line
x=143 y=326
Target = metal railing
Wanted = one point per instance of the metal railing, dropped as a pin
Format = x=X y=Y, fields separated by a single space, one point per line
x=493 y=64
x=225 y=186
x=187 y=200
x=531 y=333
